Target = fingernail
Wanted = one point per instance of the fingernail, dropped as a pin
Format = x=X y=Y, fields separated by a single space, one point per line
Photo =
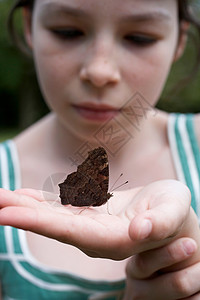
x=146 y=228
x=189 y=247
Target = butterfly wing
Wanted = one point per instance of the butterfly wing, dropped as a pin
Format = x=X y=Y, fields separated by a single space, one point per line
x=89 y=185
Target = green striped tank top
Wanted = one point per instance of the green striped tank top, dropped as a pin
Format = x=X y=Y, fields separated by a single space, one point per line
x=22 y=277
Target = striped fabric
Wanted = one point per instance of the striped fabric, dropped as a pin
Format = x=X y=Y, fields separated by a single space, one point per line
x=186 y=154
x=9 y=167
x=22 y=276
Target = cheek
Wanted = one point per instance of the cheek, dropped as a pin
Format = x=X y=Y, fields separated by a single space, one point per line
x=54 y=75
x=149 y=73
x=56 y=67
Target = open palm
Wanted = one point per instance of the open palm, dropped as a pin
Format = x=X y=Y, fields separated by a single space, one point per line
x=116 y=232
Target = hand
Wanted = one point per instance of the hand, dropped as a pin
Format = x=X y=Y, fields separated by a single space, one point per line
x=147 y=280
x=168 y=272
x=143 y=219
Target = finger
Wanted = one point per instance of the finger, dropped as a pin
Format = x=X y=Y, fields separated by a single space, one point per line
x=10 y=198
x=104 y=233
x=39 y=195
x=176 y=285
x=39 y=219
x=167 y=205
x=27 y=198
x=145 y=264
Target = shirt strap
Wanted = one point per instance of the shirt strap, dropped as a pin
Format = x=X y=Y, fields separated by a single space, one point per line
x=10 y=177
x=186 y=154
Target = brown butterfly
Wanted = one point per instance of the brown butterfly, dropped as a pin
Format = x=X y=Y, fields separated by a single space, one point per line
x=88 y=186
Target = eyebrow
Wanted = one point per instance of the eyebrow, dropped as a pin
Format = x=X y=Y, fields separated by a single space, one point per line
x=148 y=17
x=52 y=8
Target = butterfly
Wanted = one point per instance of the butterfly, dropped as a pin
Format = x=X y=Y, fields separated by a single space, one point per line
x=88 y=186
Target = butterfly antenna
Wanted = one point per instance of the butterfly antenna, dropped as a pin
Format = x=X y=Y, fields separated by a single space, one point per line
x=116 y=182
x=121 y=185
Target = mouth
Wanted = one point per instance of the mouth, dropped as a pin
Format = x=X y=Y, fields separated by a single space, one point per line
x=97 y=113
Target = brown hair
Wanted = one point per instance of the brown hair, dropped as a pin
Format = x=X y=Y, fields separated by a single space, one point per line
x=185 y=14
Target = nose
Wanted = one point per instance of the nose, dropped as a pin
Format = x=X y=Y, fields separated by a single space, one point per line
x=100 y=69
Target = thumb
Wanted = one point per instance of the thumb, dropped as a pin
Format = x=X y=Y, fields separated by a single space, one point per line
x=166 y=208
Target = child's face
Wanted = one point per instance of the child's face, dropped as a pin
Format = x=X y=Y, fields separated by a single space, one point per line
x=91 y=52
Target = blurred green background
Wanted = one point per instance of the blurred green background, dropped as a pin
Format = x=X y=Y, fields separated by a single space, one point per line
x=21 y=101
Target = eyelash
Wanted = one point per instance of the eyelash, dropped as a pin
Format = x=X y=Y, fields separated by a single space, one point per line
x=68 y=34
x=140 y=40
x=73 y=34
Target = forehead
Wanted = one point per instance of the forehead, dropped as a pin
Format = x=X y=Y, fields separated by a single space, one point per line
x=111 y=8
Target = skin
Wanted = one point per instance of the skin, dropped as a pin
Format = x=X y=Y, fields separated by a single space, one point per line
x=105 y=65
x=93 y=74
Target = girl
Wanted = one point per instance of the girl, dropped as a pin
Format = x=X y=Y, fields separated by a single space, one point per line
x=102 y=66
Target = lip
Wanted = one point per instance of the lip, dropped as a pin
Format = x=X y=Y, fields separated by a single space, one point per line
x=96 y=112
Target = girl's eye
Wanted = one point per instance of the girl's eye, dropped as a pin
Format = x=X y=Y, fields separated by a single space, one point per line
x=68 y=34
x=140 y=40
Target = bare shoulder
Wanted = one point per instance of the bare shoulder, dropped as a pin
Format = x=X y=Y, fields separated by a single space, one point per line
x=30 y=138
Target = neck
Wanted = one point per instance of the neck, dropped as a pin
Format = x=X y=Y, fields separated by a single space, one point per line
x=55 y=149
x=128 y=142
